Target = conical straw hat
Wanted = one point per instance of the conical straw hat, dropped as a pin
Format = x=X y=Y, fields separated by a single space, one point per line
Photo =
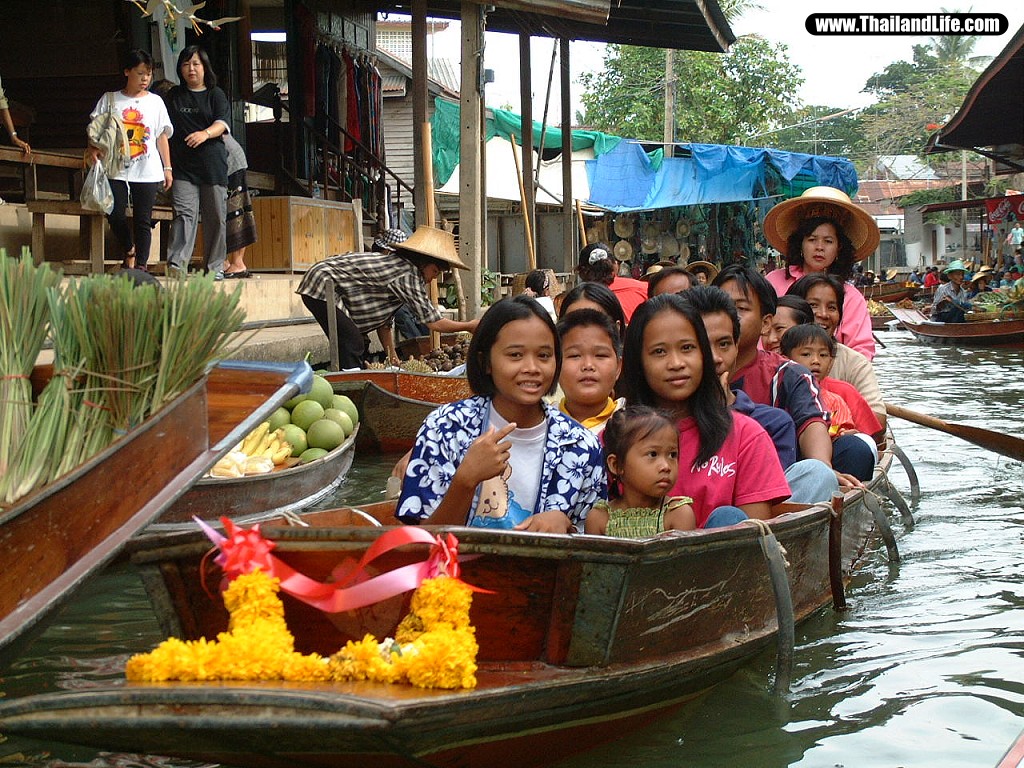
x=435 y=243
x=784 y=218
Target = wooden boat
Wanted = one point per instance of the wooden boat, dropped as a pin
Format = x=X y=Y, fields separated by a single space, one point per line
x=889 y=292
x=392 y=404
x=255 y=496
x=982 y=333
x=56 y=537
x=583 y=638
x=1014 y=757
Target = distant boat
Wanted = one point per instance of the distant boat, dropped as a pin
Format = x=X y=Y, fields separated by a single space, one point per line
x=1008 y=332
x=889 y=292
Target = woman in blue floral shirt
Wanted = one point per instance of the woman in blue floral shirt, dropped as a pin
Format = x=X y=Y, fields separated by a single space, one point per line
x=504 y=458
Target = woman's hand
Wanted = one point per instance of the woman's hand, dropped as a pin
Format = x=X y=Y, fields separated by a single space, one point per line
x=92 y=155
x=168 y=178
x=487 y=457
x=551 y=521
x=23 y=145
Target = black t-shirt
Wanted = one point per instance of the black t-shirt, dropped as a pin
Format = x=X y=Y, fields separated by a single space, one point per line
x=193 y=111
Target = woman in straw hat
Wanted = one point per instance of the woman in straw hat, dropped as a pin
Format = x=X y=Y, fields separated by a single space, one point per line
x=823 y=231
x=371 y=287
x=598 y=265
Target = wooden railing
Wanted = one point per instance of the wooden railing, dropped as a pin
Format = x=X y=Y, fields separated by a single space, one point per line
x=355 y=175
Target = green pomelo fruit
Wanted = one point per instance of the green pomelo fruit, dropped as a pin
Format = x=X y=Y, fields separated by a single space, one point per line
x=344 y=403
x=341 y=418
x=322 y=392
x=311 y=454
x=325 y=434
x=306 y=412
x=290 y=404
x=296 y=437
x=279 y=418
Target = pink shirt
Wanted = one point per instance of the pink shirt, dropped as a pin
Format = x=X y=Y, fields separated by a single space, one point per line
x=855 y=330
x=630 y=293
x=745 y=470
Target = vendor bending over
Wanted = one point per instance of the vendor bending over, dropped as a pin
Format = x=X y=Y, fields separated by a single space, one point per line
x=370 y=288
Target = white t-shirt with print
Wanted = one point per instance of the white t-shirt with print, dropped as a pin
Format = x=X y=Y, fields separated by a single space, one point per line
x=145 y=118
x=526 y=460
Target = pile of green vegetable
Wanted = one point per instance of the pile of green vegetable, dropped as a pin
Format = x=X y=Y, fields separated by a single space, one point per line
x=121 y=352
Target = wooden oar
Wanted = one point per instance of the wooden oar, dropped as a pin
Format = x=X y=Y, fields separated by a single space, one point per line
x=1007 y=445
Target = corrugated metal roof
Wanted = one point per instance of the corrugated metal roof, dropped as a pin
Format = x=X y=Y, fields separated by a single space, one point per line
x=393 y=85
x=693 y=25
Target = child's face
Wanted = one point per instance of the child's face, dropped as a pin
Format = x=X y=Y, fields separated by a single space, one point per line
x=723 y=345
x=752 y=322
x=651 y=465
x=522 y=363
x=672 y=360
x=590 y=366
x=815 y=356
x=783 y=319
x=825 y=303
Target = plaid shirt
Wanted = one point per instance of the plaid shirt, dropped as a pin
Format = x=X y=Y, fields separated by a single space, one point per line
x=370 y=287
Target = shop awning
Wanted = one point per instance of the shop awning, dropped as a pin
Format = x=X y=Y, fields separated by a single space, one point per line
x=991 y=119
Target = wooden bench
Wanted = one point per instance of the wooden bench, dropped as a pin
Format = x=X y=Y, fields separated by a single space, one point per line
x=92 y=226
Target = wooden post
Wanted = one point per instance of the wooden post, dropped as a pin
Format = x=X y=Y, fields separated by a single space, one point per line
x=332 y=326
x=529 y=199
x=422 y=192
x=569 y=250
x=429 y=214
x=470 y=189
x=531 y=254
x=579 y=222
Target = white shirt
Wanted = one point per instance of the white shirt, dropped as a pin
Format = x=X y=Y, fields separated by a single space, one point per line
x=526 y=460
x=145 y=118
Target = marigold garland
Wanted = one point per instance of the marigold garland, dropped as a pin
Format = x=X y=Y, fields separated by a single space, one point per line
x=435 y=645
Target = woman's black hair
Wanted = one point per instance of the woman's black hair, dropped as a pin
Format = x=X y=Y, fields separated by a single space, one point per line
x=586 y=318
x=799 y=335
x=138 y=56
x=597 y=264
x=599 y=294
x=750 y=280
x=500 y=314
x=708 y=299
x=803 y=286
x=661 y=274
x=708 y=407
x=842 y=267
x=537 y=281
x=624 y=429
x=799 y=307
x=209 y=76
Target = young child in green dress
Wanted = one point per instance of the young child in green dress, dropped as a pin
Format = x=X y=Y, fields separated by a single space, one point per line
x=641 y=446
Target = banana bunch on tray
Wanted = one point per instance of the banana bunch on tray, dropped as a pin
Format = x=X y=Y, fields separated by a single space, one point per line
x=257 y=454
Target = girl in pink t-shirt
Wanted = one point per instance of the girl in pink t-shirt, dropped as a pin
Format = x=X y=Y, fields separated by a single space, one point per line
x=727 y=462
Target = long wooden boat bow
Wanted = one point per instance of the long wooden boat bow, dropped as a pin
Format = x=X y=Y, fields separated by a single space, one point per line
x=1007 y=445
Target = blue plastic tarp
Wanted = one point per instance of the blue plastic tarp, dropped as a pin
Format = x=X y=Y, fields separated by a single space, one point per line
x=625 y=179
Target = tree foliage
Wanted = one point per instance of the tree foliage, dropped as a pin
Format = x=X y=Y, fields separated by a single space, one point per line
x=719 y=98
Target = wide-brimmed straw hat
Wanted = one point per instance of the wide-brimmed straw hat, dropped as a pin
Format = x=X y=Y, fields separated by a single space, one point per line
x=984 y=272
x=856 y=223
x=703 y=266
x=890 y=274
x=435 y=243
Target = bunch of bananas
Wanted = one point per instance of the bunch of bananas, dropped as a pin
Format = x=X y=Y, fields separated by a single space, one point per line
x=257 y=454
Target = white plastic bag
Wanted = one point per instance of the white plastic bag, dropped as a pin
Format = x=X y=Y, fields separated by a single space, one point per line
x=96 y=194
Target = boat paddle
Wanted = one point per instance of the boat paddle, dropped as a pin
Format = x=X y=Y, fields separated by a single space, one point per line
x=1007 y=445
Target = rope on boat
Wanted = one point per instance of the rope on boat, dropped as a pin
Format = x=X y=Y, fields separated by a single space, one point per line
x=915 y=484
x=882 y=523
x=893 y=494
x=835 y=553
x=775 y=554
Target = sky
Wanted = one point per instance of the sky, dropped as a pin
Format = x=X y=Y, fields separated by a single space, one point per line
x=835 y=69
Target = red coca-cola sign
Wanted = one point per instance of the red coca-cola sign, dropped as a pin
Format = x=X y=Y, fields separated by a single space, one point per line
x=1002 y=209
